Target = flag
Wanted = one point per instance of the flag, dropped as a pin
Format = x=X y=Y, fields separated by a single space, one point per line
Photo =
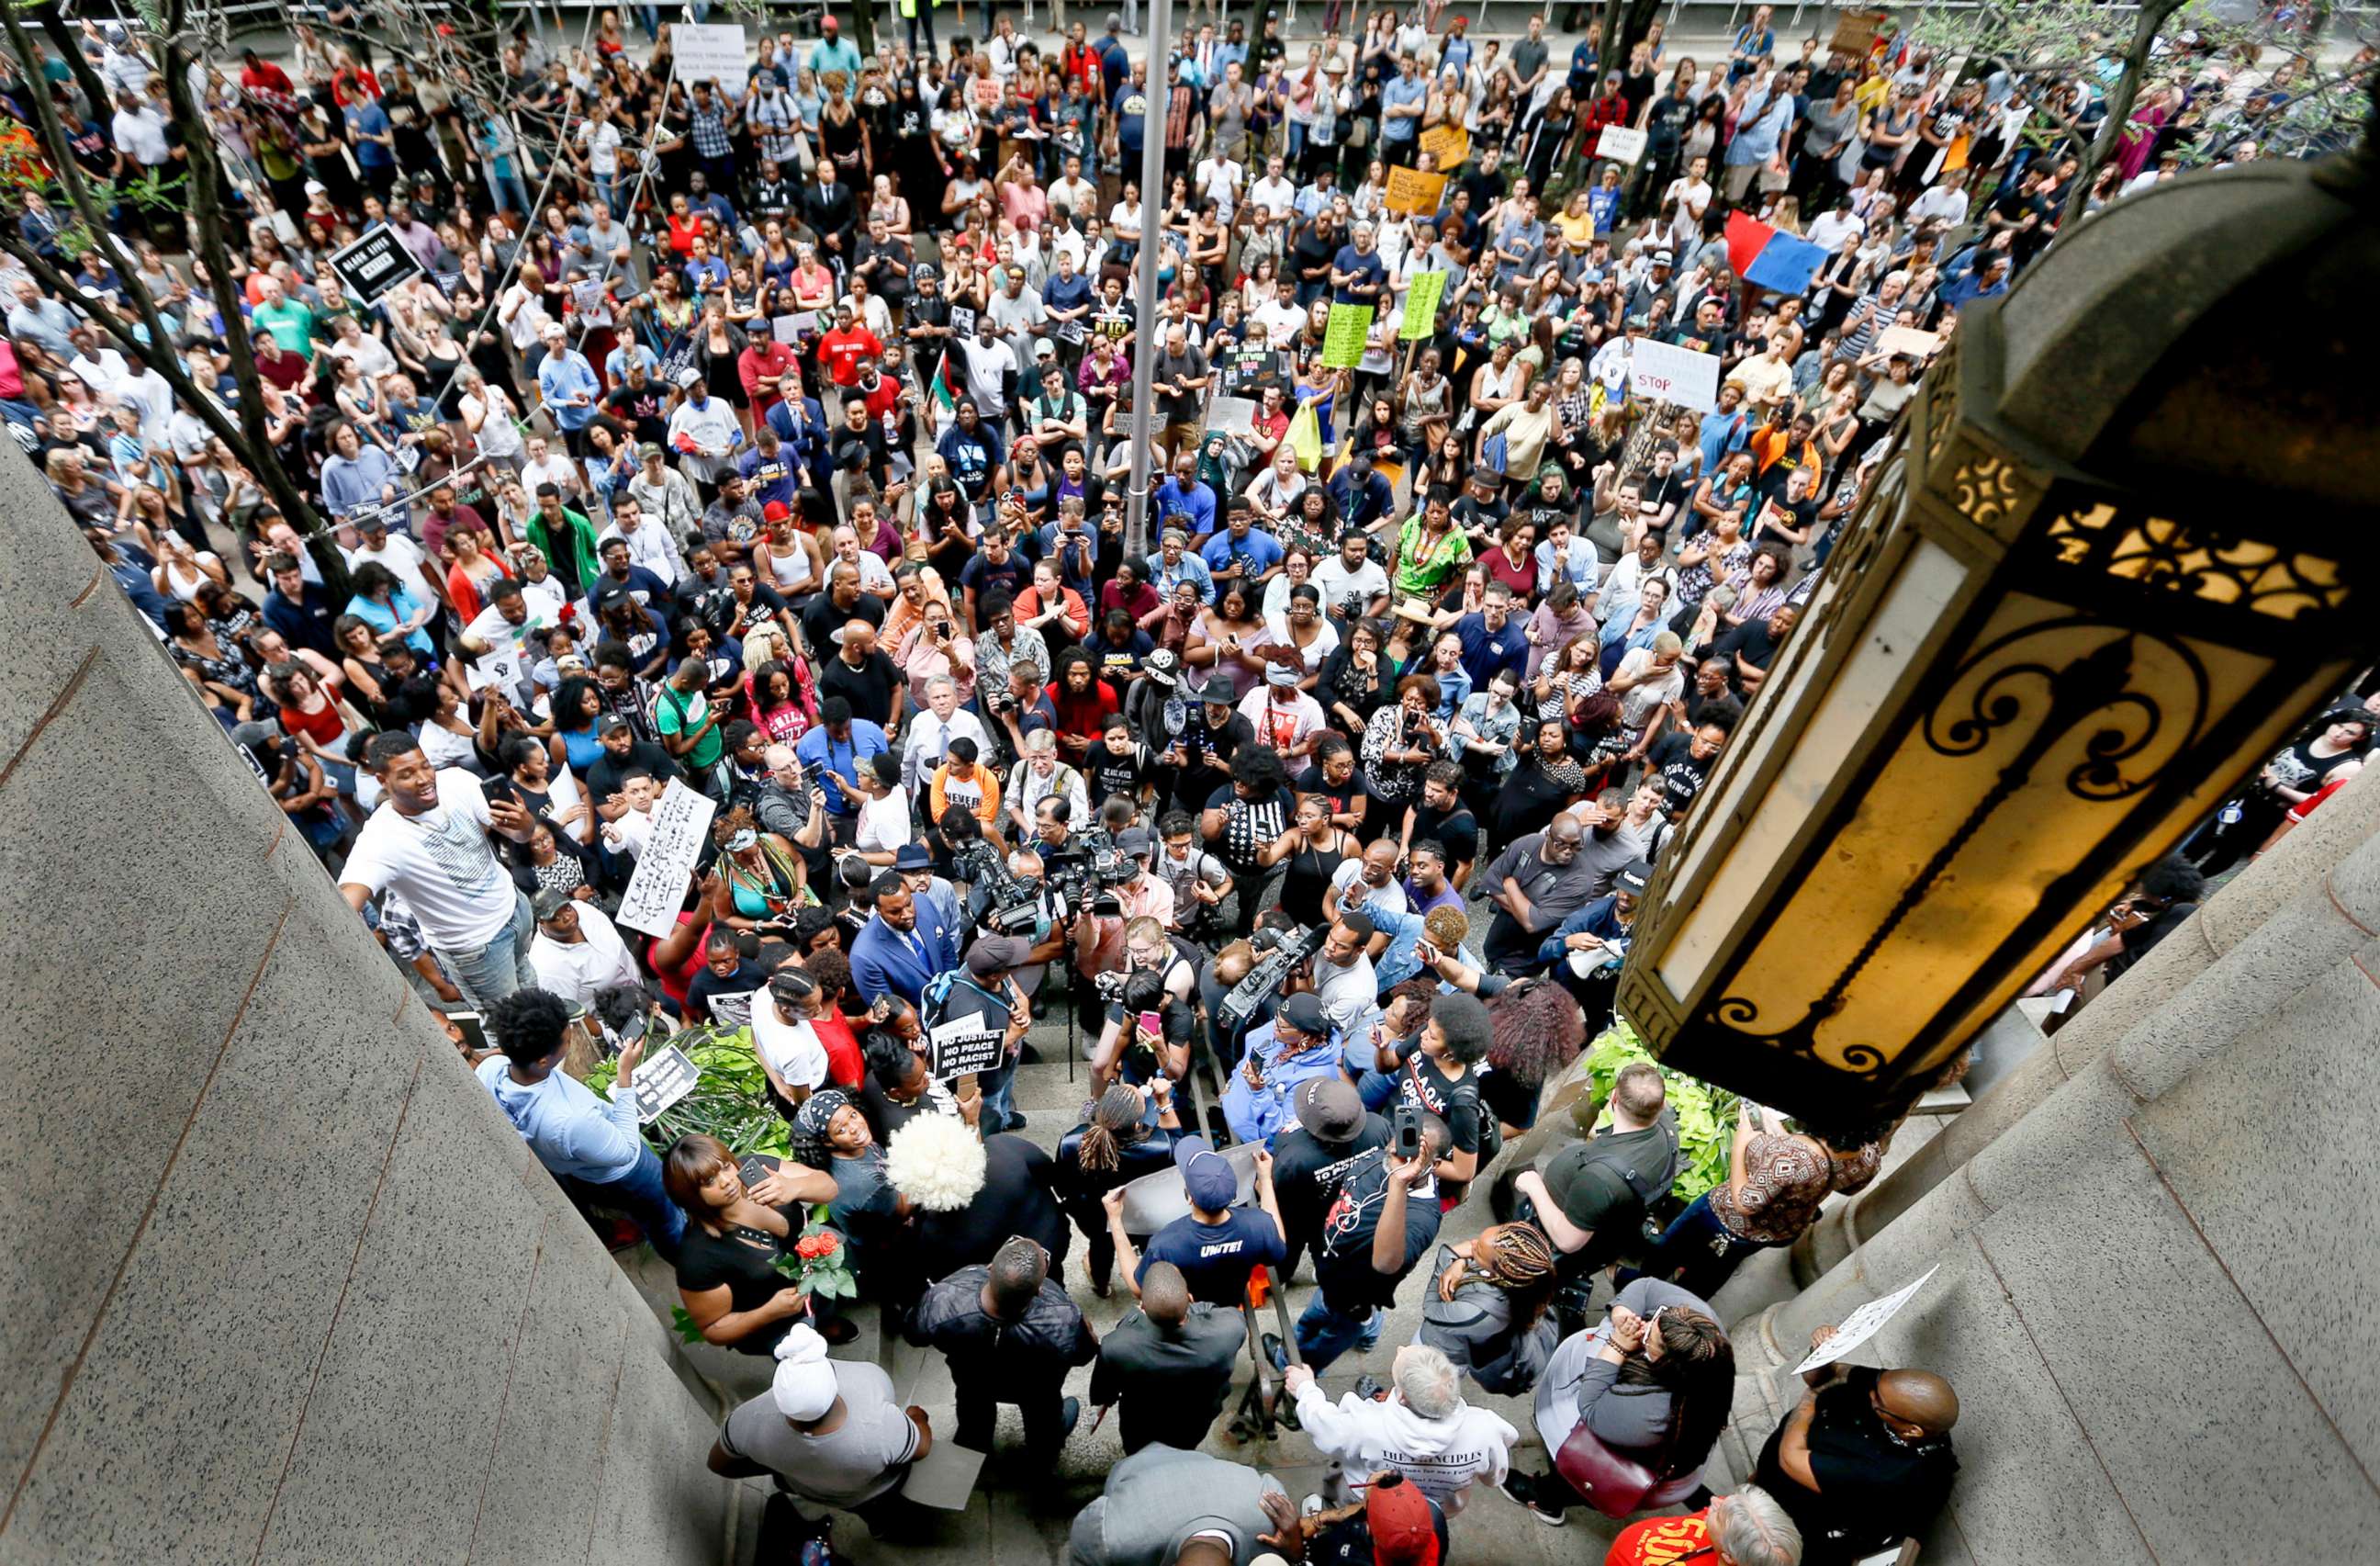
x=1767 y=259
x=938 y=392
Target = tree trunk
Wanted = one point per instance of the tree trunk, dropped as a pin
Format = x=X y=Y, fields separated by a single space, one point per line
x=1625 y=23
x=2120 y=98
x=863 y=32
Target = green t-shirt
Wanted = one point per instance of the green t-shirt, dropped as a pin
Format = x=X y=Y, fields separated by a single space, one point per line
x=291 y=325
x=674 y=714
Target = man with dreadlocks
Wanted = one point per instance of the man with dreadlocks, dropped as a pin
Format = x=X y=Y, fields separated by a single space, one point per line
x=1114 y=1147
x=1487 y=1313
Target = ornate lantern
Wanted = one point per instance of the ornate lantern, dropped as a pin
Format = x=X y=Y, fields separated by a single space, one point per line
x=2121 y=546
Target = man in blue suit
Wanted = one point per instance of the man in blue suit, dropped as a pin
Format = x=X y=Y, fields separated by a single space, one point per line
x=903 y=944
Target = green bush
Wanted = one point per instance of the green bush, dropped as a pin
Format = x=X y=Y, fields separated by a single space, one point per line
x=730 y=1099
x=1705 y=1114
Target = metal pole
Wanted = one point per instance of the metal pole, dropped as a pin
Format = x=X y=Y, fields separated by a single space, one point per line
x=1152 y=205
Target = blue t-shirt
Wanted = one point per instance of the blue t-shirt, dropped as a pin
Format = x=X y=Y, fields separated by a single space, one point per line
x=1216 y=1259
x=1130 y=106
x=1402 y=93
x=1487 y=654
x=1257 y=554
x=1363 y=271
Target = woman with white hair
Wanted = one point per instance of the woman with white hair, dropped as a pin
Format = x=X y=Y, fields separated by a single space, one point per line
x=1421 y=1427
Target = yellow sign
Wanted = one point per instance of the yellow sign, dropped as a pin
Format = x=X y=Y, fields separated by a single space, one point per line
x=1412 y=190
x=1449 y=144
x=1421 y=305
x=1342 y=339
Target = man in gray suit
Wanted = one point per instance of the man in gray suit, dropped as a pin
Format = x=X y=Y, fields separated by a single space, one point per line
x=1166 y=1507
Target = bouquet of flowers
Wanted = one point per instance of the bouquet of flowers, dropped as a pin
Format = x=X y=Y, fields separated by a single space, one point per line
x=818 y=1262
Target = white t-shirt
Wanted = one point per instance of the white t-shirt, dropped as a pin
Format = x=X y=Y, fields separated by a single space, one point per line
x=442 y=863
x=574 y=973
x=792 y=1049
x=1390 y=898
x=400 y=554
x=1338 y=583
x=884 y=824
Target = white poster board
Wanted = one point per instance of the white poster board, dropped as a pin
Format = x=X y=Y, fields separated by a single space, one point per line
x=1667 y=372
x=681 y=821
x=1920 y=346
x=502 y=665
x=660 y=1080
x=1233 y=415
x=1862 y=1325
x=708 y=52
x=1620 y=145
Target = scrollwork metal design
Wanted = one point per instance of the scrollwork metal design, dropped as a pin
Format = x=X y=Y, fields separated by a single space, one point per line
x=2199 y=560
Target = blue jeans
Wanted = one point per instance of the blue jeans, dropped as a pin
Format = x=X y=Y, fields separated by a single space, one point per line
x=502 y=966
x=999 y=1096
x=508 y=191
x=1696 y=1251
x=1324 y=1332
x=641 y=1196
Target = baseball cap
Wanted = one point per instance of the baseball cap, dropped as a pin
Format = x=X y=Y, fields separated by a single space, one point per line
x=613 y=598
x=1397 y=1516
x=613 y=724
x=1330 y=1107
x=1633 y=877
x=690 y=376
x=1206 y=1175
x=775 y=512
x=549 y=903
x=913 y=856
x=1304 y=1013
x=1663 y=258
x=1135 y=842
x=650 y=450
x=263 y=732
x=1162 y=667
x=997 y=954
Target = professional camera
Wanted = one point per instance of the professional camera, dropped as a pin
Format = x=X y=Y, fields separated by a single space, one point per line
x=1280 y=953
x=1090 y=864
x=998 y=902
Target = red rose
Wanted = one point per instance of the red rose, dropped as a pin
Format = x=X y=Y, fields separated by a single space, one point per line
x=829 y=1243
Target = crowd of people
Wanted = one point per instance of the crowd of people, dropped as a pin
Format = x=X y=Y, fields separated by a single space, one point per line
x=768 y=435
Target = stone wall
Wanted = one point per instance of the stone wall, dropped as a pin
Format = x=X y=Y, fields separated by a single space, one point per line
x=281 y=1283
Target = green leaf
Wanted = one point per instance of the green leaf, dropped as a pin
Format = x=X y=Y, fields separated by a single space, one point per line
x=686 y=1330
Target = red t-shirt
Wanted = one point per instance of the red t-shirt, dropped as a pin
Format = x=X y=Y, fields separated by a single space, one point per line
x=1660 y=1541
x=843 y=1058
x=1522 y=578
x=842 y=351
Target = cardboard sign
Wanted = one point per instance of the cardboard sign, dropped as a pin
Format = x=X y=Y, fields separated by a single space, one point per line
x=1856 y=32
x=1233 y=415
x=661 y=1080
x=966 y=1044
x=681 y=825
x=374 y=265
x=708 y=52
x=1667 y=372
x=1620 y=145
x=1920 y=346
x=1412 y=190
x=1422 y=297
x=1343 y=340
x=1862 y=1325
x=1449 y=144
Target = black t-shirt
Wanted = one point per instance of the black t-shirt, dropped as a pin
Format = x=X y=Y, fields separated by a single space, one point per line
x=1799 y=515
x=1873 y=1487
x=604 y=775
x=1015 y=1200
x=1673 y=761
x=1456 y=1103
x=1752 y=638
x=646 y=407
x=1248 y=825
x=1342 y=1256
x=1012 y=575
x=1307 y=1173
x=1118 y=661
x=820 y=619
x=1456 y=831
x=1590 y=1179
x=1216 y=1259
x=1343 y=796
x=727 y=1001
x=1106 y=774
x=868 y=688
x=742 y=1261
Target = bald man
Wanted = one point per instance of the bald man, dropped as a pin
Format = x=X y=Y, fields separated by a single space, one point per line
x=1169 y=1363
x=1864 y=1462
x=1166 y=1507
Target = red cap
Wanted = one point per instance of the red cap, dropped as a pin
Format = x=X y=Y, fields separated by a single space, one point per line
x=1398 y=1514
x=775 y=511
x=828 y=26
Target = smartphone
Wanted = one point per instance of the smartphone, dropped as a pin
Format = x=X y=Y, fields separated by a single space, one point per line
x=1405 y=1128
x=1152 y=1025
x=756 y=1168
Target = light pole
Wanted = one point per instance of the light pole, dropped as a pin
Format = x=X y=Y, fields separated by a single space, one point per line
x=1152 y=185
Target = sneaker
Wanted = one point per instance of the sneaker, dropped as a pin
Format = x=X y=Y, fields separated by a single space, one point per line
x=1274 y=1352
x=1070 y=1413
x=1521 y=1492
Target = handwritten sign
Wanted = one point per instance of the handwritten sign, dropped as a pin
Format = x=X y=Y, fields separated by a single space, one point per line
x=1862 y=1325
x=1342 y=339
x=1449 y=144
x=1667 y=372
x=708 y=52
x=966 y=1044
x=1920 y=346
x=374 y=265
x=1620 y=144
x=680 y=823
x=1421 y=305
x=660 y=1080
x=1412 y=190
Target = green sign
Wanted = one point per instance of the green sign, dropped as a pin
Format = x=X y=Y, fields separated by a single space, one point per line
x=1343 y=340
x=1421 y=305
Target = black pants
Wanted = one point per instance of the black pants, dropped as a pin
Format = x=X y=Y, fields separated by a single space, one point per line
x=980 y=1393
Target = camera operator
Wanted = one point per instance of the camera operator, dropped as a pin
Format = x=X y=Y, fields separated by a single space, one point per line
x=1118 y=889
x=1148 y=951
x=1294 y=1048
x=1016 y=707
x=1040 y=775
x=1219 y=974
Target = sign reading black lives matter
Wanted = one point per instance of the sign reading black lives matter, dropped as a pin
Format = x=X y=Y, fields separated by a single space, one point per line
x=374 y=265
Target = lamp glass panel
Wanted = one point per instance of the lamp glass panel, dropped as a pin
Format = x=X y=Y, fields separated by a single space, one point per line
x=2050 y=731
x=1929 y=580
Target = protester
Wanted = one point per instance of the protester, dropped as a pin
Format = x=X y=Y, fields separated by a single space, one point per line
x=831 y=1431
x=1422 y=1429
x=1009 y=1335
x=1168 y=1365
x=1864 y=1461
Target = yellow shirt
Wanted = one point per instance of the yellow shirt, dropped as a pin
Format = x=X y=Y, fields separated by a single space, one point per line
x=1578 y=228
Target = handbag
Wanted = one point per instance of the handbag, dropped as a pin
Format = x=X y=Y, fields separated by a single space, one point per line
x=1614 y=1485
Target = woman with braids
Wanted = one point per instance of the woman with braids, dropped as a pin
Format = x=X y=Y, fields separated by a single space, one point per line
x=1538 y=1029
x=1650 y=1385
x=761 y=876
x=1487 y=1313
x=1116 y=1143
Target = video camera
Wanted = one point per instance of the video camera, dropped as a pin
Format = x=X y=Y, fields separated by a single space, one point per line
x=1090 y=862
x=1000 y=903
x=1280 y=953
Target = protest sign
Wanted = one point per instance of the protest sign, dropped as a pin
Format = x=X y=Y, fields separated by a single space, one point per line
x=1412 y=190
x=1862 y=1325
x=1620 y=144
x=1421 y=305
x=1667 y=372
x=1449 y=144
x=1343 y=340
x=374 y=265
x=708 y=52
x=681 y=821
x=1920 y=346
x=1231 y=416
x=660 y=1080
x=966 y=1044
x=499 y=665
